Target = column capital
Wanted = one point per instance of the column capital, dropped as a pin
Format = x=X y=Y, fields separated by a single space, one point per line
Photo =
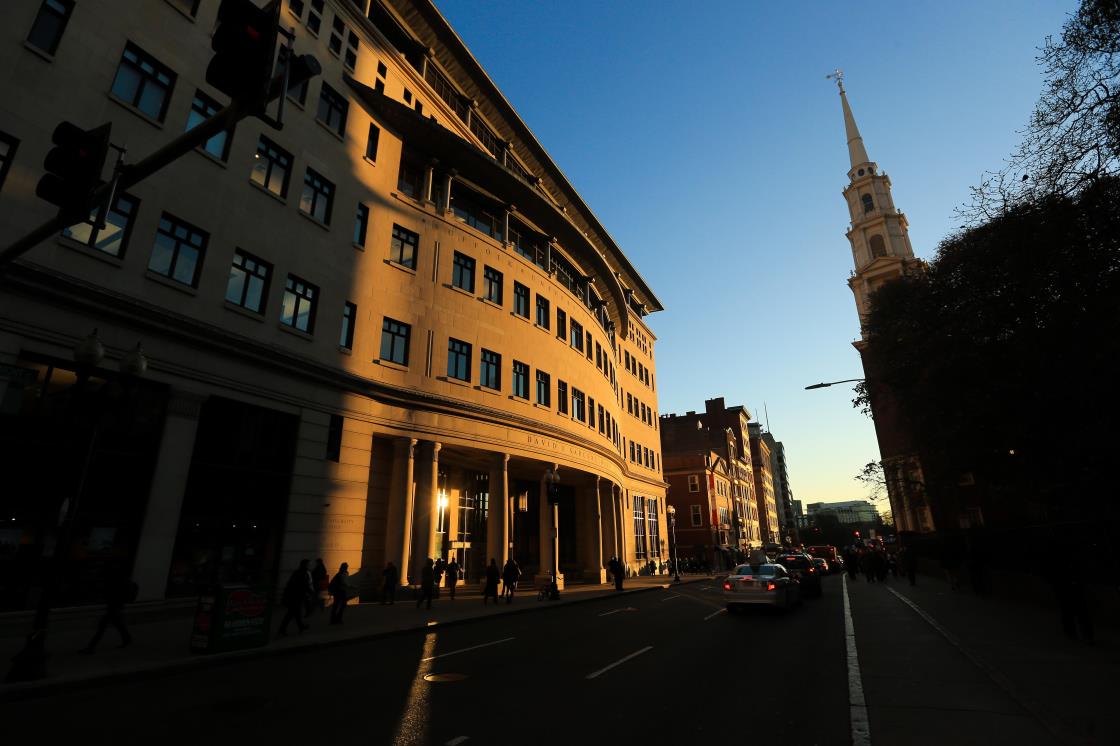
x=436 y=446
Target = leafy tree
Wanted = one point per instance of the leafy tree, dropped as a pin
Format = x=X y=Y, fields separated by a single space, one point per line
x=1073 y=137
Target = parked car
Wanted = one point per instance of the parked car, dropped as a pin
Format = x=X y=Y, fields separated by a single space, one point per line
x=822 y=565
x=800 y=567
x=765 y=584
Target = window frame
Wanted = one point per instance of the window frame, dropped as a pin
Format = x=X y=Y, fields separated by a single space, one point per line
x=319 y=186
x=544 y=380
x=404 y=237
x=561 y=396
x=521 y=297
x=520 y=380
x=490 y=369
x=361 y=224
x=462 y=352
x=176 y=252
x=543 y=307
x=336 y=104
x=312 y=300
x=266 y=149
x=395 y=333
x=492 y=284
x=60 y=21
x=463 y=268
x=349 y=321
x=210 y=107
x=247 y=276
x=91 y=240
x=137 y=65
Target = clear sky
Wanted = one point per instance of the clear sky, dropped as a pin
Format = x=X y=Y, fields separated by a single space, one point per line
x=706 y=139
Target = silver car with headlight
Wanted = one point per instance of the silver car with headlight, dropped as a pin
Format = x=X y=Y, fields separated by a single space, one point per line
x=764 y=583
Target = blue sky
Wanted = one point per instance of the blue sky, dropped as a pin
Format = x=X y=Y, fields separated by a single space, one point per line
x=708 y=142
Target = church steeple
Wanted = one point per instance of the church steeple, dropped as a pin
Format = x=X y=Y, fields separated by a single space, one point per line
x=878 y=234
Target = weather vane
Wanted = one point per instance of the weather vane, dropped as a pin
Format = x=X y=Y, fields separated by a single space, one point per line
x=838 y=76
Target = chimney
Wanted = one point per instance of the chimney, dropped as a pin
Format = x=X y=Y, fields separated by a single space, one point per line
x=714 y=406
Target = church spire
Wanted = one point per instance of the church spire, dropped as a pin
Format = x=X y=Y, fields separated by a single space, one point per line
x=856 y=152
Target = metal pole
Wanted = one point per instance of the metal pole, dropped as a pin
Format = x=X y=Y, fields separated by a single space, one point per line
x=676 y=556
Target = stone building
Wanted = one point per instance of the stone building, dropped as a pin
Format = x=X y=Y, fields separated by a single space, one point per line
x=764 y=486
x=378 y=334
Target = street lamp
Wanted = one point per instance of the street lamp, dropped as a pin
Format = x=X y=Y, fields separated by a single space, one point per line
x=552 y=477
x=673 y=526
x=833 y=383
x=30 y=662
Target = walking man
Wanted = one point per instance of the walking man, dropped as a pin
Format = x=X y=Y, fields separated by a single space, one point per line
x=491 y=589
x=510 y=573
x=616 y=570
x=295 y=596
x=427 y=583
x=389 y=589
x=339 y=593
x=452 y=576
x=319 y=583
x=119 y=590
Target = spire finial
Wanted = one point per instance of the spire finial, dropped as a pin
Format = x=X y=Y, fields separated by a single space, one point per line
x=838 y=76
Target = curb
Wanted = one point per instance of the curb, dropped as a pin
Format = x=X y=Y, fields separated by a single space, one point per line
x=29 y=690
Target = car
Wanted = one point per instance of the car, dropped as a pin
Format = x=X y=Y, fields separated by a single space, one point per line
x=800 y=567
x=822 y=565
x=764 y=584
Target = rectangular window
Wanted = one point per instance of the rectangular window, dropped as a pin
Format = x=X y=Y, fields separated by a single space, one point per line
x=202 y=108
x=639 y=527
x=178 y=250
x=598 y=356
x=351 y=58
x=361 y=223
x=271 y=167
x=143 y=82
x=349 y=318
x=371 y=142
x=579 y=409
x=632 y=451
x=629 y=404
x=542 y=312
x=317 y=197
x=561 y=324
x=521 y=380
x=492 y=285
x=8 y=146
x=403 y=248
x=544 y=388
x=490 y=370
x=520 y=300
x=248 y=281
x=298 y=308
x=338 y=30
x=654 y=531
x=591 y=412
x=458 y=360
x=462 y=273
x=113 y=238
x=602 y=421
x=562 y=396
x=315 y=17
x=394 y=341
x=296 y=7
x=693 y=482
x=697 y=516
x=46 y=31
x=332 y=109
x=587 y=349
x=577 y=335
x=334 y=438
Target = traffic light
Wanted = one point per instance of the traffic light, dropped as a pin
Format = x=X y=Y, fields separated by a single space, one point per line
x=74 y=167
x=244 y=44
x=553 y=493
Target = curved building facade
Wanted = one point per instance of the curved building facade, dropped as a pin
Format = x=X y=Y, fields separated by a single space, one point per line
x=390 y=331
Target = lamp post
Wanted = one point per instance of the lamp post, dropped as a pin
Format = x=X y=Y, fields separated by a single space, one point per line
x=673 y=527
x=552 y=476
x=441 y=522
x=30 y=663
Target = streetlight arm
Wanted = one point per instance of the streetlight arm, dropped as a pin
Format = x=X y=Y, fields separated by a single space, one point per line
x=833 y=383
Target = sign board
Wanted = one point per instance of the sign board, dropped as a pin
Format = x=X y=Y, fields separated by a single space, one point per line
x=231 y=617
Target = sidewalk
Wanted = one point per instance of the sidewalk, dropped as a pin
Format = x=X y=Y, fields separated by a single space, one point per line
x=1068 y=686
x=161 y=643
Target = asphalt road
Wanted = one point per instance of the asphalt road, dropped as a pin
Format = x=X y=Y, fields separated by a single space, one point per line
x=670 y=666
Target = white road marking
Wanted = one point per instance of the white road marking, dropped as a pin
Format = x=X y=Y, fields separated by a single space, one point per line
x=619 y=662
x=458 y=740
x=612 y=611
x=465 y=650
x=1043 y=716
x=670 y=598
x=714 y=613
x=857 y=704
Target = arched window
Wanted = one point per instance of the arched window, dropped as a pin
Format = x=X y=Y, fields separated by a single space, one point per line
x=878 y=248
x=868 y=204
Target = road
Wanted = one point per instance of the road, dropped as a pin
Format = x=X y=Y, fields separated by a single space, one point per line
x=664 y=667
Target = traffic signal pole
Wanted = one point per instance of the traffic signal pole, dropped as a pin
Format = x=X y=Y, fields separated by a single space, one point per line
x=303 y=69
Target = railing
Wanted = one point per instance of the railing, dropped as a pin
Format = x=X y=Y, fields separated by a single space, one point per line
x=445 y=90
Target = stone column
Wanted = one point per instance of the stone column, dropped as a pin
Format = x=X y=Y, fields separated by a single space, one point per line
x=429 y=181
x=424 y=523
x=595 y=521
x=399 y=519
x=544 y=565
x=169 y=482
x=616 y=550
x=497 y=523
x=446 y=206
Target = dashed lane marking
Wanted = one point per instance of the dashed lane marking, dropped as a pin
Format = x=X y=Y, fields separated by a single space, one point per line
x=670 y=598
x=715 y=613
x=458 y=740
x=466 y=650
x=857 y=704
x=619 y=662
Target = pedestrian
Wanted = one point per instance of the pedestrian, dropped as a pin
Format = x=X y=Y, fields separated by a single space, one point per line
x=391 y=578
x=319 y=583
x=851 y=562
x=452 y=577
x=427 y=583
x=438 y=569
x=339 y=593
x=867 y=566
x=491 y=588
x=119 y=590
x=616 y=571
x=909 y=564
x=511 y=573
x=295 y=596
x=892 y=565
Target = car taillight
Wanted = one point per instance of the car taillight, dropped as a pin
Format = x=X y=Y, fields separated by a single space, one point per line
x=771 y=586
x=727 y=586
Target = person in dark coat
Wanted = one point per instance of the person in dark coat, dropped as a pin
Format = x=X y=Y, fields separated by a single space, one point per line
x=339 y=593
x=492 y=577
x=119 y=590
x=439 y=569
x=452 y=577
x=295 y=596
x=319 y=583
x=427 y=583
x=391 y=578
x=616 y=571
x=510 y=574
x=909 y=564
